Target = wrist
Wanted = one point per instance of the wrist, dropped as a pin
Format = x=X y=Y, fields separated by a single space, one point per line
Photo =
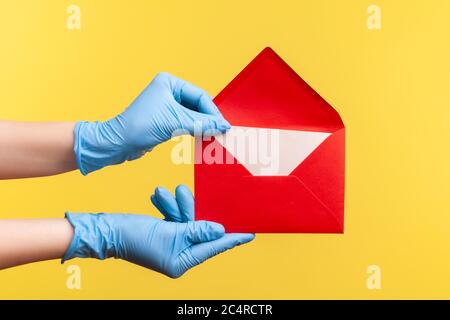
x=93 y=236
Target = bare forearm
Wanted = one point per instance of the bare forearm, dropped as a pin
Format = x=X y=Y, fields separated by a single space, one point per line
x=29 y=149
x=26 y=241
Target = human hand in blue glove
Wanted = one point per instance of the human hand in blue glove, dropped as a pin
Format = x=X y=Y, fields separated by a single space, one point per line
x=170 y=246
x=167 y=107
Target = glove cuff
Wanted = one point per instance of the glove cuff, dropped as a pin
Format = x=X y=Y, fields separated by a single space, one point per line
x=93 y=237
x=77 y=146
x=95 y=147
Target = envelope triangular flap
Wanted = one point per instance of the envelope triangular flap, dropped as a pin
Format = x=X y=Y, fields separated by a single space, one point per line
x=268 y=93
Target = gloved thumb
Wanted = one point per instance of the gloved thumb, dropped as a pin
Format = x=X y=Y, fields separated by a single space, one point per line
x=202 y=124
x=203 y=231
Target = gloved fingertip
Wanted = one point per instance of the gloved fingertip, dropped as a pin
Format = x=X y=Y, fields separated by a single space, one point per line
x=161 y=192
x=182 y=189
x=227 y=124
x=184 y=197
x=247 y=237
x=224 y=125
x=242 y=238
x=155 y=201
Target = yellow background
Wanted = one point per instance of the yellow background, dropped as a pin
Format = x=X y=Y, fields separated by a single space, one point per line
x=391 y=87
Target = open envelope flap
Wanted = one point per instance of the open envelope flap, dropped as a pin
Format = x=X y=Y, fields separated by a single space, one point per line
x=270 y=152
x=269 y=94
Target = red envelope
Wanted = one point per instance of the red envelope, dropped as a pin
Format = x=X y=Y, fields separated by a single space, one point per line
x=306 y=194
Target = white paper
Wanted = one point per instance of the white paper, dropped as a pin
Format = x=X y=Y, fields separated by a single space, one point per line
x=270 y=152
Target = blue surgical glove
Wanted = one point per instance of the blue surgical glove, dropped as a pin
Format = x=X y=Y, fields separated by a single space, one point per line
x=167 y=107
x=170 y=246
